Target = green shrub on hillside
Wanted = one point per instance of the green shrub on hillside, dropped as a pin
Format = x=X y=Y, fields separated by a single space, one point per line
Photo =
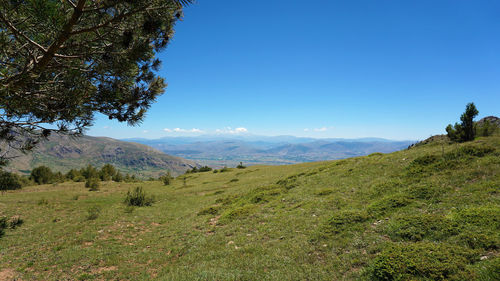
x=138 y=197
x=237 y=212
x=93 y=213
x=3 y=225
x=92 y=184
x=9 y=181
x=73 y=174
x=344 y=220
x=389 y=204
x=421 y=226
x=89 y=172
x=466 y=130
x=42 y=175
x=167 y=178
x=422 y=261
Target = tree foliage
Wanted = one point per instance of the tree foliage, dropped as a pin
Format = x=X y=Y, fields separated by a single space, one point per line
x=42 y=175
x=63 y=61
x=9 y=181
x=465 y=131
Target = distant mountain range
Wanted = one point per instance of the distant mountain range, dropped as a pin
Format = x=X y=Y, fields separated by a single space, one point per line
x=221 y=150
x=62 y=153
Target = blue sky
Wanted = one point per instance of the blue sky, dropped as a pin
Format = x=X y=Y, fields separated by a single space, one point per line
x=358 y=68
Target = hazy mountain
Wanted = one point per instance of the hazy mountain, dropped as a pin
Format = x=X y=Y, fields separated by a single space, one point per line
x=62 y=153
x=220 y=150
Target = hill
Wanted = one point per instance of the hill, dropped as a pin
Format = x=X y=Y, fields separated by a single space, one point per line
x=218 y=151
x=62 y=153
x=431 y=212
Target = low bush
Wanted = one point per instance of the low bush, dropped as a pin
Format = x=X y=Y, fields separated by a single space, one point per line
x=289 y=182
x=3 y=225
x=9 y=181
x=209 y=211
x=138 y=197
x=343 y=220
x=42 y=175
x=324 y=191
x=389 y=204
x=422 y=261
x=480 y=217
x=486 y=240
x=15 y=221
x=237 y=212
x=240 y=166
x=92 y=184
x=43 y=201
x=166 y=179
x=93 y=213
x=421 y=226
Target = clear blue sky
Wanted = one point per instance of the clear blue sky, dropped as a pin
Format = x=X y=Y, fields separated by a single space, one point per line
x=351 y=68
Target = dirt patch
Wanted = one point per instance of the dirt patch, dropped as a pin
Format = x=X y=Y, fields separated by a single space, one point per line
x=7 y=274
x=106 y=269
x=214 y=221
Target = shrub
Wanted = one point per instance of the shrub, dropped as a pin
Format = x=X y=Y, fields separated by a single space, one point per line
x=89 y=172
x=93 y=213
x=9 y=181
x=73 y=175
x=199 y=170
x=422 y=261
x=324 y=191
x=79 y=179
x=421 y=226
x=289 y=182
x=138 y=197
x=465 y=131
x=474 y=239
x=43 y=201
x=15 y=221
x=234 y=180
x=240 y=166
x=92 y=184
x=42 y=175
x=117 y=177
x=344 y=220
x=480 y=217
x=389 y=203
x=237 y=212
x=3 y=225
x=209 y=211
x=107 y=172
x=166 y=179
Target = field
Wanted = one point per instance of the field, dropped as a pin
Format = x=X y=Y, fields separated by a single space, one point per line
x=428 y=213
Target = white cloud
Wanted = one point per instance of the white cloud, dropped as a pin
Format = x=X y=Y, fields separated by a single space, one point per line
x=229 y=130
x=179 y=130
x=145 y=131
x=106 y=127
x=322 y=129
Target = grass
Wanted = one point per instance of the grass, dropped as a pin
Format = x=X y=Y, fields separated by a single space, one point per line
x=428 y=213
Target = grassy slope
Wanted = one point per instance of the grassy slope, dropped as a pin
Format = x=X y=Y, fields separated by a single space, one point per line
x=428 y=213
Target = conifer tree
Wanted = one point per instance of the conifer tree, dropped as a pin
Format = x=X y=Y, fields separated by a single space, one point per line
x=63 y=61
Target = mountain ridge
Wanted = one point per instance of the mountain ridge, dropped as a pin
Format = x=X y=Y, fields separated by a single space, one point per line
x=62 y=153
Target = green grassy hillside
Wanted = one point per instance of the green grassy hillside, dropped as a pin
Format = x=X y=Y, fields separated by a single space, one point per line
x=428 y=213
x=62 y=153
